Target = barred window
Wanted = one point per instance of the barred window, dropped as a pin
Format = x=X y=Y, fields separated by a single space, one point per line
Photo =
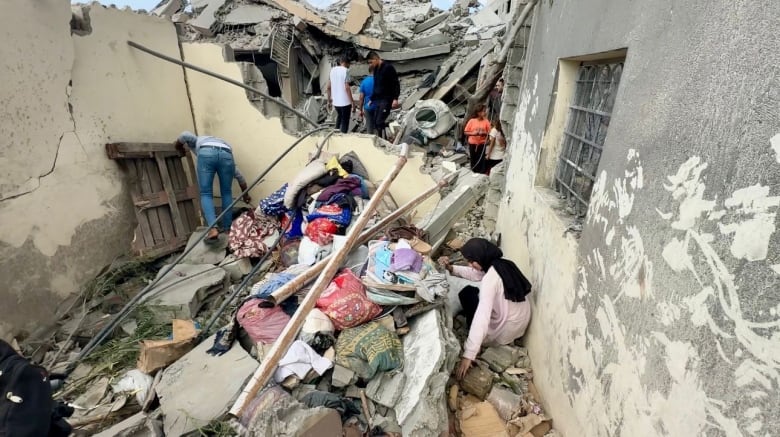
x=586 y=129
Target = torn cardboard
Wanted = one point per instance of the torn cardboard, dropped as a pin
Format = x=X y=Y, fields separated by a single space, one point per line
x=158 y=354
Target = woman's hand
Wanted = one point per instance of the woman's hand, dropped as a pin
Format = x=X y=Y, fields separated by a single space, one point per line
x=444 y=261
x=463 y=367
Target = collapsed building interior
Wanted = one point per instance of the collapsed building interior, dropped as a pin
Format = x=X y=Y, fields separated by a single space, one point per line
x=161 y=334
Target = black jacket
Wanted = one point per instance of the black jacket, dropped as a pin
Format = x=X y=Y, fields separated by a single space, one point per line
x=386 y=85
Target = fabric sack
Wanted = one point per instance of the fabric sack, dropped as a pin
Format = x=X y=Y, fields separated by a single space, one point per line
x=262 y=320
x=273 y=205
x=369 y=349
x=346 y=303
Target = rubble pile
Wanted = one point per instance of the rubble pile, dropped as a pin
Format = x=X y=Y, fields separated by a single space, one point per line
x=375 y=356
x=294 y=45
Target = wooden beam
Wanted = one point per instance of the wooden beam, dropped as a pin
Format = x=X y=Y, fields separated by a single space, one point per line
x=140 y=150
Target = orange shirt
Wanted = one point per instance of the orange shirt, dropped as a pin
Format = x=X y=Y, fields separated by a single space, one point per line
x=477 y=131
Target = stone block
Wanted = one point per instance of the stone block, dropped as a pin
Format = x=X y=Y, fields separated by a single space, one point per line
x=478 y=381
x=505 y=401
x=286 y=417
x=133 y=426
x=386 y=389
x=204 y=253
x=342 y=376
x=236 y=267
x=182 y=292
x=205 y=21
x=500 y=358
x=428 y=41
x=199 y=387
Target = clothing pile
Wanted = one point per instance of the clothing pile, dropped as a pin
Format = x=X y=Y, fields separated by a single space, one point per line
x=353 y=335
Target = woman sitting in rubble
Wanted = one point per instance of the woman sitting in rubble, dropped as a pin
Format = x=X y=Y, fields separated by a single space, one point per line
x=496 y=312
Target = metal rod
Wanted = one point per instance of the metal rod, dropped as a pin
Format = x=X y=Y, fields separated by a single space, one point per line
x=279 y=102
x=301 y=280
x=122 y=314
x=282 y=344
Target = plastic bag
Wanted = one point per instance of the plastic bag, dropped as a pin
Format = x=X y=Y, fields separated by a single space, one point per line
x=310 y=252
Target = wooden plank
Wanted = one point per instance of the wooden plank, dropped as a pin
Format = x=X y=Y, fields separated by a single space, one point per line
x=146 y=201
x=148 y=188
x=124 y=150
x=168 y=187
x=176 y=169
x=163 y=212
x=143 y=233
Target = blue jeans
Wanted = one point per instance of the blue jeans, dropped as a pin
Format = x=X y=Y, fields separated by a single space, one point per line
x=213 y=161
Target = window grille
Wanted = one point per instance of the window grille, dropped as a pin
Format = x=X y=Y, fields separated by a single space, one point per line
x=586 y=129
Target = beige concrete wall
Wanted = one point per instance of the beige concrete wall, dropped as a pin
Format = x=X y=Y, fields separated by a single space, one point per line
x=663 y=317
x=223 y=110
x=65 y=211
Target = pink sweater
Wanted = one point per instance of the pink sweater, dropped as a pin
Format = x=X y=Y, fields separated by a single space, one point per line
x=497 y=320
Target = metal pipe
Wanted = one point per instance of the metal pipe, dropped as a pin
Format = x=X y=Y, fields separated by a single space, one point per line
x=282 y=344
x=279 y=102
x=301 y=280
x=122 y=314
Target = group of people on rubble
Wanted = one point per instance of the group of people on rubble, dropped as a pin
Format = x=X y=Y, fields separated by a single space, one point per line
x=379 y=93
x=485 y=134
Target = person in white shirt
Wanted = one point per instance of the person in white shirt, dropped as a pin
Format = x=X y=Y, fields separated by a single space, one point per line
x=340 y=94
x=496 y=149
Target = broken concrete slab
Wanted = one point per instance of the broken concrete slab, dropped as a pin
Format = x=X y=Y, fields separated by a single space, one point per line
x=250 y=14
x=203 y=253
x=404 y=55
x=431 y=22
x=133 y=426
x=168 y=8
x=463 y=69
x=500 y=358
x=188 y=403
x=283 y=416
x=467 y=189
x=182 y=292
x=505 y=401
x=386 y=389
x=485 y=18
x=299 y=10
x=428 y=41
x=359 y=13
x=205 y=21
x=236 y=267
x=430 y=351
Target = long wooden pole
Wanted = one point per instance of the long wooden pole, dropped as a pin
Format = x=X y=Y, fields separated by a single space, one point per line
x=282 y=344
x=304 y=278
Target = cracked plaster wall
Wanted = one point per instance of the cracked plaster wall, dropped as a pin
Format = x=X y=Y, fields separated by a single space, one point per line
x=664 y=317
x=65 y=209
x=223 y=110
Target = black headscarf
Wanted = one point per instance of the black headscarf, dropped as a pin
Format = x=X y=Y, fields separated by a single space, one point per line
x=488 y=255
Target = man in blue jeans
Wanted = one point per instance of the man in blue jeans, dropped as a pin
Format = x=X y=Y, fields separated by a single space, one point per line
x=215 y=157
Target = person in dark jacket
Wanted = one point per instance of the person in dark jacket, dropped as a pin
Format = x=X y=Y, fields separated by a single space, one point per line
x=387 y=89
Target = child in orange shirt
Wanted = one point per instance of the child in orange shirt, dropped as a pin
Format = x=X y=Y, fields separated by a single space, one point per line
x=477 y=130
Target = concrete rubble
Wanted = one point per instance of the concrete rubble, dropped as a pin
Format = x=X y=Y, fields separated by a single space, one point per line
x=415 y=396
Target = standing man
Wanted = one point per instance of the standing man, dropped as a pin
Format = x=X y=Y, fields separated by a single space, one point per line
x=494 y=100
x=340 y=94
x=215 y=157
x=387 y=89
x=366 y=101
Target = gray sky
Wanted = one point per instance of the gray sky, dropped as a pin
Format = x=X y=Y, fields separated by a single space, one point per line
x=135 y=4
x=149 y=4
